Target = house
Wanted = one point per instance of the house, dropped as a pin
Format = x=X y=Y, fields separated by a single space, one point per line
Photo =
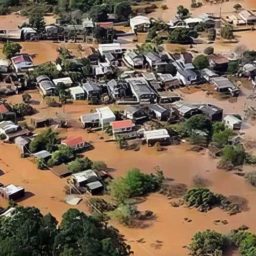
x=133 y=59
x=28 y=33
x=7 y=127
x=92 y=91
x=61 y=170
x=224 y=85
x=43 y=154
x=6 y=114
x=232 y=122
x=141 y=90
x=213 y=112
x=135 y=113
x=167 y=97
x=22 y=62
x=10 y=34
x=11 y=131
x=123 y=128
x=156 y=111
x=153 y=136
x=82 y=180
x=168 y=81
x=12 y=192
x=46 y=86
x=153 y=59
x=114 y=48
x=106 y=116
x=118 y=89
x=218 y=62
x=248 y=16
x=186 y=110
x=67 y=81
x=208 y=74
x=192 y=22
x=90 y=120
x=140 y=24
x=102 y=69
x=4 y=65
x=186 y=76
x=77 y=93
x=76 y=143
x=22 y=144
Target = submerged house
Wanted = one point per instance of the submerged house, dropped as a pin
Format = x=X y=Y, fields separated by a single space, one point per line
x=106 y=116
x=135 y=113
x=118 y=89
x=76 y=143
x=232 y=122
x=140 y=23
x=141 y=90
x=213 y=112
x=22 y=62
x=77 y=93
x=133 y=59
x=158 y=112
x=161 y=135
x=224 y=85
x=186 y=110
x=12 y=192
x=124 y=129
x=247 y=16
x=92 y=91
x=218 y=62
x=46 y=86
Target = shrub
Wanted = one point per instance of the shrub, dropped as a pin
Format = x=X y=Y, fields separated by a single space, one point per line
x=233 y=67
x=208 y=243
x=209 y=50
x=135 y=183
x=10 y=49
x=64 y=154
x=80 y=164
x=234 y=155
x=124 y=214
x=251 y=178
x=201 y=61
x=99 y=165
x=227 y=32
x=46 y=140
x=164 y=7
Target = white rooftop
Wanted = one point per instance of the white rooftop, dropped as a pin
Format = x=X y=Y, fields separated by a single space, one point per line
x=105 y=113
x=76 y=90
x=64 y=80
x=12 y=189
x=156 y=134
x=84 y=175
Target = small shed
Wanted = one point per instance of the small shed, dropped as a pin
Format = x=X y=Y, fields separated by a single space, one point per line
x=232 y=122
x=67 y=81
x=22 y=144
x=95 y=187
x=80 y=179
x=43 y=154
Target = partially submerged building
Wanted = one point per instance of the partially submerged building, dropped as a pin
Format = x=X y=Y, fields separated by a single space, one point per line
x=232 y=122
x=133 y=59
x=141 y=90
x=12 y=192
x=124 y=129
x=224 y=85
x=161 y=135
x=22 y=63
x=140 y=24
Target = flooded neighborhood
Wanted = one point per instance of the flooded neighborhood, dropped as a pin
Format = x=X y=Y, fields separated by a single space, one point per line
x=128 y=128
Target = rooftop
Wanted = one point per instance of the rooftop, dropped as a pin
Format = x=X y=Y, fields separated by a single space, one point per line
x=122 y=124
x=84 y=175
x=73 y=141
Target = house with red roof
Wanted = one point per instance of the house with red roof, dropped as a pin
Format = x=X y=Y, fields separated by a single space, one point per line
x=22 y=62
x=76 y=143
x=123 y=128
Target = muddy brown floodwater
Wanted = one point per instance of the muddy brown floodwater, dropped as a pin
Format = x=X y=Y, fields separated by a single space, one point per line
x=169 y=232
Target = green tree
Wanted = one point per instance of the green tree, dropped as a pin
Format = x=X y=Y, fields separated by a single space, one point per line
x=10 y=49
x=209 y=50
x=182 y=11
x=227 y=32
x=48 y=69
x=233 y=67
x=201 y=61
x=198 y=122
x=99 y=165
x=36 y=21
x=46 y=140
x=221 y=138
x=180 y=36
x=234 y=155
x=208 y=243
x=64 y=154
x=26 y=97
x=122 y=10
x=251 y=178
x=22 y=109
x=80 y=164
x=99 y=13
x=237 y=7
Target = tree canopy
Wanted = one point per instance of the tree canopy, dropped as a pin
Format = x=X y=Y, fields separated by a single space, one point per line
x=28 y=232
x=201 y=61
x=10 y=49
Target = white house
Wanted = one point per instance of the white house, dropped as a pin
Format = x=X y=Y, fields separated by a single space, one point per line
x=132 y=59
x=4 y=65
x=232 y=122
x=77 y=93
x=114 y=48
x=160 y=135
x=67 y=81
x=106 y=116
x=139 y=23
